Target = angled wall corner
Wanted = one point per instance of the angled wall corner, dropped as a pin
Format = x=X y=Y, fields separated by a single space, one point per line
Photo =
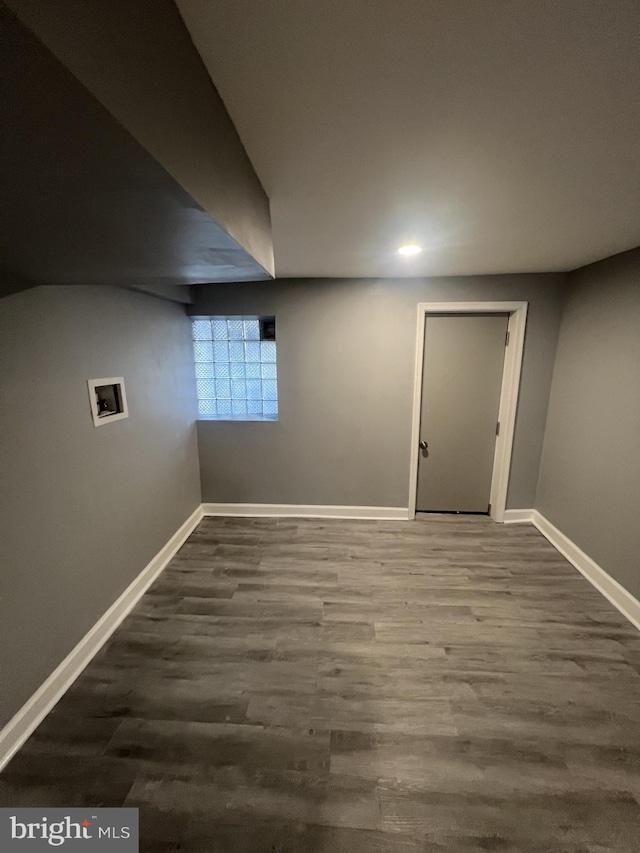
x=10 y=282
x=588 y=486
x=136 y=59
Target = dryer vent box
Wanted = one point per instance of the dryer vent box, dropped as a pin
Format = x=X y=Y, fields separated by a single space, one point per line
x=108 y=400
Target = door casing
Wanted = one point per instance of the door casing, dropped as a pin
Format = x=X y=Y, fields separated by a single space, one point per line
x=517 y=312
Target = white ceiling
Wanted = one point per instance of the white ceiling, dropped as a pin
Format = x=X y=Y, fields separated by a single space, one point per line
x=503 y=135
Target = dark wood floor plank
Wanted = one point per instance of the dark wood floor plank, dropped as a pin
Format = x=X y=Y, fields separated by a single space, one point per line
x=328 y=686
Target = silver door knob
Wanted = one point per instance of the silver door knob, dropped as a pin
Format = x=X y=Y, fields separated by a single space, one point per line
x=423 y=445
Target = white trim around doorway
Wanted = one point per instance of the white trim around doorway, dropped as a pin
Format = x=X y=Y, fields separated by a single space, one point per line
x=508 y=396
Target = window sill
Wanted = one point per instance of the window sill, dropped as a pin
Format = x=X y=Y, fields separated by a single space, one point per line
x=271 y=418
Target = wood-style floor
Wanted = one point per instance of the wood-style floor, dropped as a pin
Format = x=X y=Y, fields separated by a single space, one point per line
x=302 y=686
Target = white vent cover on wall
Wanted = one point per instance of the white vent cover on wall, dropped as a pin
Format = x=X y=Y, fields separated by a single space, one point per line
x=108 y=400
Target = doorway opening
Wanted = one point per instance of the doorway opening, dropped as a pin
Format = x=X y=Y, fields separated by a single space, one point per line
x=467 y=376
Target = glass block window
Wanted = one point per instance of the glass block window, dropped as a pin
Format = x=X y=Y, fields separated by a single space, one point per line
x=236 y=368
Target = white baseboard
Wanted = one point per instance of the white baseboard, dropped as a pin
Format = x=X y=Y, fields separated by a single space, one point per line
x=29 y=717
x=517 y=516
x=595 y=574
x=382 y=513
x=621 y=598
x=18 y=729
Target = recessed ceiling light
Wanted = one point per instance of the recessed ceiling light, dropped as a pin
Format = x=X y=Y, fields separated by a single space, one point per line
x=409 y=250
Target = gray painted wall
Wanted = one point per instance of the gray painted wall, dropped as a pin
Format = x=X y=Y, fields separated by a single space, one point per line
x=589 y=483
x=346 y=365
x=11 y=282
x=172 y=292
x=83 y=510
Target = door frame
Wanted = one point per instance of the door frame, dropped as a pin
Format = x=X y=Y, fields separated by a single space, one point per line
x=509 y=392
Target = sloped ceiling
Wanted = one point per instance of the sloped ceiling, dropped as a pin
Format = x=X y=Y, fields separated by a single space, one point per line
x=503 y=135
